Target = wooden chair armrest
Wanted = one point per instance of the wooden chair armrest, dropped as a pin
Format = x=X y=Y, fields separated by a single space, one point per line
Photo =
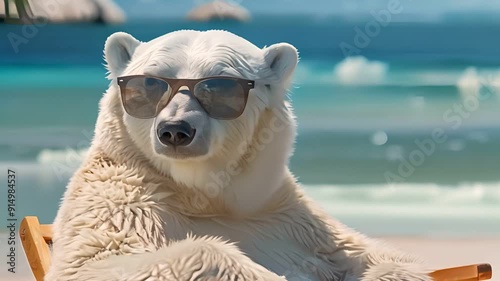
x=475 y=272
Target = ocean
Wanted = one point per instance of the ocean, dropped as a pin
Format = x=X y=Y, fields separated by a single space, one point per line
x=400 y=138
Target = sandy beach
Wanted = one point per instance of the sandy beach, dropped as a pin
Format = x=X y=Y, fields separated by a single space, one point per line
x=441 y=253
x=437 y=253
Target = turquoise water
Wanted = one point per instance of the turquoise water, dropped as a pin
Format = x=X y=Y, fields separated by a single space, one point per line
x=358 y=119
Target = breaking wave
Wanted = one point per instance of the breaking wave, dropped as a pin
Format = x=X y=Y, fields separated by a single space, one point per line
x=467 y=210
x=466 y=194
x=68 y=155
x=360 y=71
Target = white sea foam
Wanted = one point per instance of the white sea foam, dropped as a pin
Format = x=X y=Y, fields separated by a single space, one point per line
x=431 y=77
x=404 y=195
x=309 y=74
x=68 y=155
x=360 y=71
x=493 y=83
x=466 y=210
x=473 y=83
x=59 y=165
x=470 y=82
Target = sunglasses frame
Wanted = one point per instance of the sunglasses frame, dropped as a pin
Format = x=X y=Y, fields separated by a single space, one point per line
x=175 y=84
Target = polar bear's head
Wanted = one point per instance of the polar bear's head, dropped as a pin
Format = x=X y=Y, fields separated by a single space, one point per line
x=194 y=129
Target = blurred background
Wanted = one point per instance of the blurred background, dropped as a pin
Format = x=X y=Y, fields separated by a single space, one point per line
x=397 y=100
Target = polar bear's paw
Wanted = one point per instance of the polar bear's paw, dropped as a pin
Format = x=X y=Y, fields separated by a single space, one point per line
x=191 y=259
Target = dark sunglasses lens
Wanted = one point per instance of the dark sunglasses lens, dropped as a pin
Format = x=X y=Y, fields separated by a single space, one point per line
x=221 y=98
x=141 y=96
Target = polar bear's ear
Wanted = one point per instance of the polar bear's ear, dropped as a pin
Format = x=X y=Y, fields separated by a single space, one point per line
x=118 y=51
x=282 y=58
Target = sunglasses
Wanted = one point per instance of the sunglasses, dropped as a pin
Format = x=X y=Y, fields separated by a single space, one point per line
x=144 y=96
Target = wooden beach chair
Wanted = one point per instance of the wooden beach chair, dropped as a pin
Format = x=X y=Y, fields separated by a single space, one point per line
x=37 y=237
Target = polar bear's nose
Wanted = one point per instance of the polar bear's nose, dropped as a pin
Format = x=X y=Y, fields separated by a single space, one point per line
x=178 y=133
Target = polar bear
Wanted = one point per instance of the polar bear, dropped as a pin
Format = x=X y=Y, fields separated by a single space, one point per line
x=187 y=176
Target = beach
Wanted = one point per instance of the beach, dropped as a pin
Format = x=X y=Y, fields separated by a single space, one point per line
x=366 y=149
x=437 y=253
x=440 y=253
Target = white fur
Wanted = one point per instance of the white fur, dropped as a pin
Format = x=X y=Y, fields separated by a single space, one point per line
x=131 y=213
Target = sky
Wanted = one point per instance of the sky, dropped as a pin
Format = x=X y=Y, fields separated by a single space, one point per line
x=413 y=9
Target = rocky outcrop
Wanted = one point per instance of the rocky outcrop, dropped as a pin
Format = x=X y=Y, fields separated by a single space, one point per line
x=105 y=11
x=219 y=10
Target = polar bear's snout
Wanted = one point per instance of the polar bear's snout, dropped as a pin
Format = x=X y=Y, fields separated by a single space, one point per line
x=176 y=133
x=182 y=129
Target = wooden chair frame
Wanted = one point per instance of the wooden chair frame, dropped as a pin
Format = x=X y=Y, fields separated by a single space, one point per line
x=36 y=238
